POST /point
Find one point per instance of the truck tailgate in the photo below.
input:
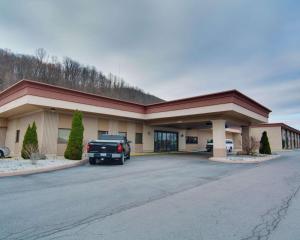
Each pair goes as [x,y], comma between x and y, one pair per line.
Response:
[103,147]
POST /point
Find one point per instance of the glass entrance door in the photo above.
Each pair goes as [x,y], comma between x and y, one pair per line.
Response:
[165,141]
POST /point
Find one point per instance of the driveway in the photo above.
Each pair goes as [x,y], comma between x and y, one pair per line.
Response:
[176,196]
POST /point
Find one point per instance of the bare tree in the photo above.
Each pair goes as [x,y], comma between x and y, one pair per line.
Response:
[40,54]
[250,145]
[68,73]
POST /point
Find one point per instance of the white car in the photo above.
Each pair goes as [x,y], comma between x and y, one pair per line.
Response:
[229,145]
[4,152]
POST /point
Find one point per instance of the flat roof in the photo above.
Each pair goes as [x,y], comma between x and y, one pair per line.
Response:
[34,88]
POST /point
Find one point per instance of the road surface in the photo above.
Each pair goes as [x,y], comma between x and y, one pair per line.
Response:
[156,197]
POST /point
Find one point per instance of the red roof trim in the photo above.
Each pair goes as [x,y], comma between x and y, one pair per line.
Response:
[29,87]
[213,95]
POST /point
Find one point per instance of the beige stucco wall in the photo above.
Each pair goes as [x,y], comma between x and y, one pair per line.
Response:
[138,148]
[181,139]
[90,128]
[219,137]
[203,135]
[93,124]
[130,129]
[229,135]
[237,141]
[48,123]
[122,126]
[2,135]
[3,122]
[3,128]
[64,121]
[148,138]
[103,124]
[113,126]
[21,123]
[274,136]
[192,133]
[49,132]
[206,134]
[11,135]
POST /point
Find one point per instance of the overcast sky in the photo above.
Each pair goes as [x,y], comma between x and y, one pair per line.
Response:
[172,49]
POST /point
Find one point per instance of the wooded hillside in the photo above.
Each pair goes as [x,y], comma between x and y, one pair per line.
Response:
[68,73]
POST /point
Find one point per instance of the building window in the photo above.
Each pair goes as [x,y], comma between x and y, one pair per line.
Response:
[63,135]
[101,133]
[191,140]
[17,136]
[138,138]
[124,134]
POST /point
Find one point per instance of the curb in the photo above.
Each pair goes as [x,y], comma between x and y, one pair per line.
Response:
[43,170]
[225,160]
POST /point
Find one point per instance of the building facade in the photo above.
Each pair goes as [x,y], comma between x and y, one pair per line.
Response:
[179,125]
[281,136]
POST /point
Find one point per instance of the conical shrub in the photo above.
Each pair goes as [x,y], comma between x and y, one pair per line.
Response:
[264,144]
[75,142]
[30,142]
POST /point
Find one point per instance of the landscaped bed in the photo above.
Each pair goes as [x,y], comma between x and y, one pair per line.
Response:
[12,167]
[246,158]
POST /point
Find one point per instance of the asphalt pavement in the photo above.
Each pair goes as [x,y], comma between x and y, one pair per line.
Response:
[175,196]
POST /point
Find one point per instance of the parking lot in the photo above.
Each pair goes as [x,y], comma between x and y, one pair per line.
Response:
[172,196]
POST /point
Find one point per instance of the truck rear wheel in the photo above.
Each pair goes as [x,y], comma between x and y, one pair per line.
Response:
[92,161]
[122,160]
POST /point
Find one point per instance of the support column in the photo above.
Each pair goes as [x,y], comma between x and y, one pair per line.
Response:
[219,138]
[245,136]
[48,132]
[286,139]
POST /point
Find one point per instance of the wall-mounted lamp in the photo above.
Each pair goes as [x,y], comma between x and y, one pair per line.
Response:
[149,133]
[181,135]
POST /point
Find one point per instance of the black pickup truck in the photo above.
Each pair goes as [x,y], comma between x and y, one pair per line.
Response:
[109,148]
